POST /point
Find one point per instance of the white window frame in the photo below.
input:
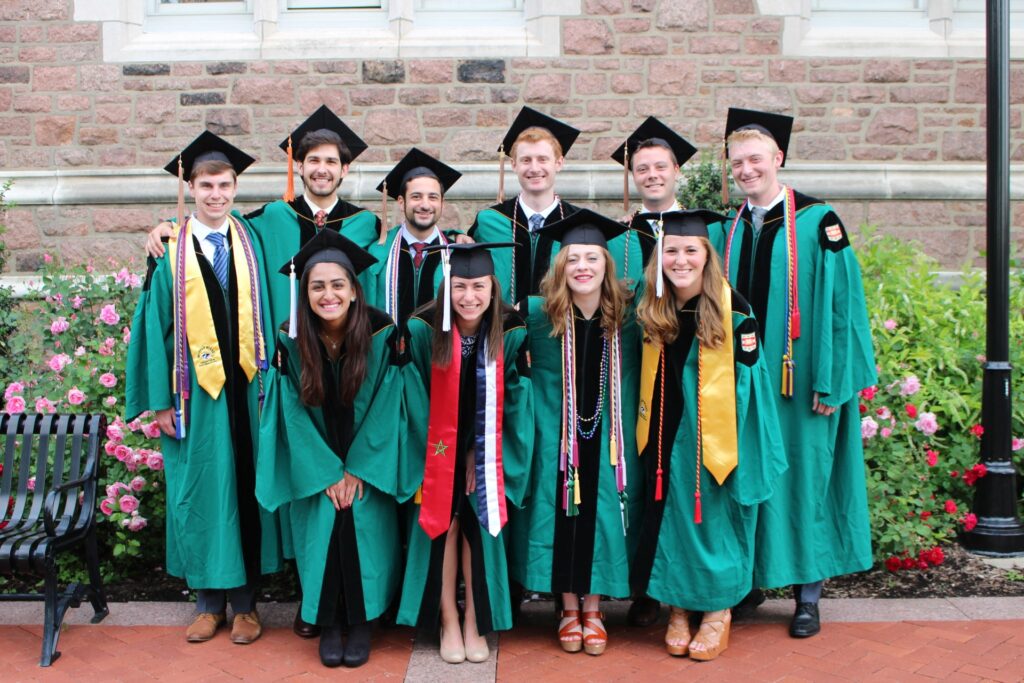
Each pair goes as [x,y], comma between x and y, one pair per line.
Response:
[143,31]
[917,28]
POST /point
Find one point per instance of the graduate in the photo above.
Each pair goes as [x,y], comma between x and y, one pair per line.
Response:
[329,446]
[788,254]
[571,539]
[407,273]
[537,145]
[473,459]
[707,434]
[196,358]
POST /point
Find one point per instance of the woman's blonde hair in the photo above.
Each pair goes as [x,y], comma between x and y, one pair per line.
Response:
[558,297]
[658,315]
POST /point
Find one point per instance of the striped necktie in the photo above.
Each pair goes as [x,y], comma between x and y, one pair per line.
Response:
[220,258]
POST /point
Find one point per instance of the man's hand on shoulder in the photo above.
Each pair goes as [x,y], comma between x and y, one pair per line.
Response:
[154,241]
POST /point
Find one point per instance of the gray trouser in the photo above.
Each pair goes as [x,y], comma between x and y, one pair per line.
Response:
[808,592]
[214,601]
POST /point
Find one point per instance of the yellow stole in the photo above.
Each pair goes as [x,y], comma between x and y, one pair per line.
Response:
[203,345]
[717,443]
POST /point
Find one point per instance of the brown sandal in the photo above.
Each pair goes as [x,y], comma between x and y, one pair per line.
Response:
[594,643]
[713,635]
[677,637]
[571,635]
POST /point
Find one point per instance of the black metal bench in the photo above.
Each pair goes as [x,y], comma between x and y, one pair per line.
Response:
[57,514]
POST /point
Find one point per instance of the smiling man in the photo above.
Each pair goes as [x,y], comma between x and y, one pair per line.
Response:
[789,255]
[407,274]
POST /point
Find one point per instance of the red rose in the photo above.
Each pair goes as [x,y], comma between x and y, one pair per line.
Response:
[980,470]
[970,476]
[911,411]
[933,457]
[936,556]
[863,408]
[954,474]
[970,521]
[909,563]
[869,393]
[950,506]
[977,430]
[926,514]
[893,564]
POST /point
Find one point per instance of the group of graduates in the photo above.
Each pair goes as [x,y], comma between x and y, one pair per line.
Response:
[662,407]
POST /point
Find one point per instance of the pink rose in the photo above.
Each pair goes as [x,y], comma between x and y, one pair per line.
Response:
[128,503]
[138,483]
[890,324]
[927,424]
[108,379]
[137,523]
[107,506]
[1017,444]
[47,258]
[884,413]
[15,405]
[886,432]
[122,452]
[77,302]
[12,389]
[135,425]
[79,351]
[114,490]
[45,405]
[151,429]
[910,386]
[114,433]
[155,461]
[58,362]
[31,484]
[59,325]
[868,428]
[75,396]
[933,457]
[109,447]
[110,400]
[109,315]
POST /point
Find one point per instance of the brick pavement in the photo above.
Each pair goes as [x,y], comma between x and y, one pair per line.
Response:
[908,650]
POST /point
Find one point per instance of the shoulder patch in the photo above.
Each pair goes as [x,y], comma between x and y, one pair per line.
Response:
[255,214]
[833,235]
[747,344]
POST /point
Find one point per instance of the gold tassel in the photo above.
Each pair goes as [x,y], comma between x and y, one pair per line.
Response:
[576,487]
[289,189]
[181,193]
[788,371]
[725,177]
[625,180]
[419,496]
[501,173]
[383,213]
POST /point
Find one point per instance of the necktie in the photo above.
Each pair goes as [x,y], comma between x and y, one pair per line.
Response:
[320,219]
[757,214]
[417,258]
[536,222]
[220,258]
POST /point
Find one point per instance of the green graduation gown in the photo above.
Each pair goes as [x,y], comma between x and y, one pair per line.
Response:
[590,552]
[348,558]
[532,256]
[416,286]
[707,566]
[816,524]
[218,537]
[421,590]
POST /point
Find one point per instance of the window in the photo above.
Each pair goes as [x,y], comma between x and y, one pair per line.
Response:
[155,30]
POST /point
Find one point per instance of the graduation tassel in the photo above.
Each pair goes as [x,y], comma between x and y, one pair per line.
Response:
[725,177]
[658,495]
[661,424]
[625,179]
[293,300]
[289,188]
[501,175]
[181,193]
[383,213]
[622,511]
[659,287]
[700,438]
[446,270]
[576,499]
[788,370]
[696,507]
[179,412]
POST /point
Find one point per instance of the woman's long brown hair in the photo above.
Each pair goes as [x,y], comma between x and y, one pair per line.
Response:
[441,348]
[558,297]
[355,346]
[658,315]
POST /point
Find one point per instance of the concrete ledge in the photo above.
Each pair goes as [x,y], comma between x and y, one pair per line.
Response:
[578,182]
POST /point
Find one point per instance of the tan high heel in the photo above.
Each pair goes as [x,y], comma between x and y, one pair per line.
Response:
[594,643]
[454,655]
[571,635]
[713,635]
[678,632]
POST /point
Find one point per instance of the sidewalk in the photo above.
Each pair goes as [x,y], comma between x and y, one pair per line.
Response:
[960,639]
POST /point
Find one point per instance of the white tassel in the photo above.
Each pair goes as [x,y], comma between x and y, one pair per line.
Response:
[659,288]
[293,315]
[446,270]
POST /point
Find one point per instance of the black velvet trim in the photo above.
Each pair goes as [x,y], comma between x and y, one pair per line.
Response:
[654,511]
[472,532]
[749,355]
[150,268]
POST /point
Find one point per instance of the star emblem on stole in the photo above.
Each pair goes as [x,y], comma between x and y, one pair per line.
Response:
[441,448]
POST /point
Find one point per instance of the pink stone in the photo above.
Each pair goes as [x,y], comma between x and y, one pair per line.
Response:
[893,126]
[547,88]
[55,130]
[391,127]
[672,77]
[263,91]
[54,78]
[683,15]
[431,71]
[586,37]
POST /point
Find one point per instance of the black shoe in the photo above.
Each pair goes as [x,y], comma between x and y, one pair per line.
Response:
[332,650]
[643,612]
[357,649]
[304,629]
[805,620]
[748,605]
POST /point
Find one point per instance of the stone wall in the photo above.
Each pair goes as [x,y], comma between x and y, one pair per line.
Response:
[64,113]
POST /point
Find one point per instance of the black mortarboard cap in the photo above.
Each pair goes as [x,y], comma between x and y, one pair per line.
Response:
[531,118]
[418,164]
[584,227]
[653,129]
[777,126]
[328,246]
[209,147]
[689,223]
[470,260]
[325,118]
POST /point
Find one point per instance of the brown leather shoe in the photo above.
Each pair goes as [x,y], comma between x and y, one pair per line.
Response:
[304,629]
[204,626]
[246,628]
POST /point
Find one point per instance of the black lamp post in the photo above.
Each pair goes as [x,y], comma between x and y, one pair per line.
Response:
[999,531]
